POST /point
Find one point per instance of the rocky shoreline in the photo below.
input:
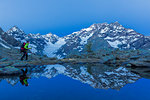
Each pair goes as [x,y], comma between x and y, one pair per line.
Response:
[47,61]
[114,58]
[13,67]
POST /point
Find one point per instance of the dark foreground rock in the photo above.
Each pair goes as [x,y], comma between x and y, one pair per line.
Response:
[48,61]
[10,70]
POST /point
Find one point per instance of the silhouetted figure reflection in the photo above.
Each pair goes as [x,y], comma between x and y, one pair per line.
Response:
[24,78]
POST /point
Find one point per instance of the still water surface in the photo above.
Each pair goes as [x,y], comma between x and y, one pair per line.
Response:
[77,82]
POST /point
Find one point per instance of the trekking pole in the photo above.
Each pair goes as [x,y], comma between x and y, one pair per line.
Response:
[30,52]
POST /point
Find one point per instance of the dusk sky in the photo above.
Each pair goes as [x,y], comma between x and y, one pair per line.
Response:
[63,17]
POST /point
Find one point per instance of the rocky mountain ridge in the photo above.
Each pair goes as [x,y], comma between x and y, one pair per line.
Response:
[101,36]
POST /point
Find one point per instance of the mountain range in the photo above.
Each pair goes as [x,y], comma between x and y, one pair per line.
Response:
[102,35]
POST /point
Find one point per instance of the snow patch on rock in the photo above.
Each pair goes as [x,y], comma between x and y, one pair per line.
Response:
[114,44]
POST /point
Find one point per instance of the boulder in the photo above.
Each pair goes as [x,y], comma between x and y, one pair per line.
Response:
[10,70]
[3,59]
[139,64]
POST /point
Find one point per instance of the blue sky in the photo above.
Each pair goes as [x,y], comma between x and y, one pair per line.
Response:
[63,17]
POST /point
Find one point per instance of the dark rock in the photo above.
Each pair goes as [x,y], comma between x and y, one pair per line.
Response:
[3,59]
[4,64]
[139,64]
[134,57]
[10,70]
[21,63]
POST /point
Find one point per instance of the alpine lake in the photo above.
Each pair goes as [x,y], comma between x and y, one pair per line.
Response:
[77,82]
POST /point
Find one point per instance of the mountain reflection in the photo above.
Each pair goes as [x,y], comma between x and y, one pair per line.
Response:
[97,76]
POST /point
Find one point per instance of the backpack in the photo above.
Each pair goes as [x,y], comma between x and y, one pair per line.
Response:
[22,47]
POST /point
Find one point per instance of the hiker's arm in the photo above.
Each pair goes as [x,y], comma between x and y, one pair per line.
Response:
[26,46]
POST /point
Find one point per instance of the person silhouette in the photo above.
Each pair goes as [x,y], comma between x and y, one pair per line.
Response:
[24,50]
[24,78]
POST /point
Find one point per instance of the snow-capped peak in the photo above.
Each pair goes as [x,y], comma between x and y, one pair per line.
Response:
[15,30]
[89,28]
[50,37]
[38,34]
[116,23]
[49,34]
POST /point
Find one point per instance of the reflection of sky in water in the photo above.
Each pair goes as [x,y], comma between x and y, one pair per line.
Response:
[62,87]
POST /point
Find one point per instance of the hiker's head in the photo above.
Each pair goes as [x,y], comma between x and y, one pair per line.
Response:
[28,42]
[26,83]
[24,43]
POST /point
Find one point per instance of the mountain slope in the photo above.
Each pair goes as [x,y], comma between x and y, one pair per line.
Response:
[102,35]
[7,41]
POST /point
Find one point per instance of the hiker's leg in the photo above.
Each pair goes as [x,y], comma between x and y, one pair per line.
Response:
[26,70]
[23,55]
[22,70]
[26,56]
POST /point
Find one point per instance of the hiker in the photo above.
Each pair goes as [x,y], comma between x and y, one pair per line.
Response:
[24,50]
[24,78]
